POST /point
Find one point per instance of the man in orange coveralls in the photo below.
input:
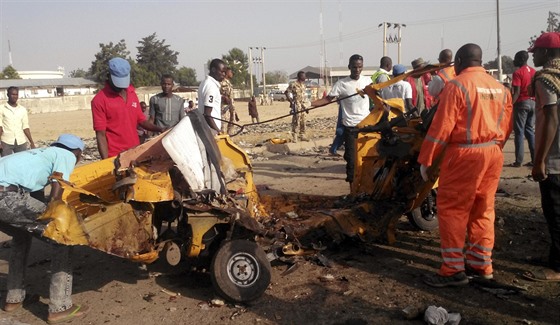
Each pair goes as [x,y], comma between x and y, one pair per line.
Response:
[472,124]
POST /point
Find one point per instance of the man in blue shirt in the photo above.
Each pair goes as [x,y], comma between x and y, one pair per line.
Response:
[20,174]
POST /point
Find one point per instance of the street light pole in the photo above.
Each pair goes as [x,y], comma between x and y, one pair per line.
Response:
[499,42]
[390,39]
[399,43]
[384,39]
[251,69]
[263,72]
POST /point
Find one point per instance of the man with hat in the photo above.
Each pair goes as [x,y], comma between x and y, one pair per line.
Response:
[20,174]
[421,98]
[546,163]
[116,112]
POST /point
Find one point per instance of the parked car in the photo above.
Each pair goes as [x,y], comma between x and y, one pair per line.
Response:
[278,95]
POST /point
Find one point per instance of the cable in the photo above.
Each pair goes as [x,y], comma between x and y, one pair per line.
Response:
[375,29]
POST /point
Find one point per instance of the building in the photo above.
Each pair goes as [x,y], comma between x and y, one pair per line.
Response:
[44,88]
[58,74]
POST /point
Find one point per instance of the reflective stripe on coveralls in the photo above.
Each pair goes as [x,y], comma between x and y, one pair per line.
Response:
[472,121]
[447,74]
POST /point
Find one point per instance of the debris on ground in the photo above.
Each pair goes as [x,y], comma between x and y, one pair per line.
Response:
[439,316]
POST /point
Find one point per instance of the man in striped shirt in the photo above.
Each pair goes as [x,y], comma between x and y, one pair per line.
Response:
[166,108]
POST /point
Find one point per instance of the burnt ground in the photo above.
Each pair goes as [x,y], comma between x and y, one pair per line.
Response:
[364,283]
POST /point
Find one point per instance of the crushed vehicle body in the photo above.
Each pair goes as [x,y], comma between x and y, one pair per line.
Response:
[187,196]
[174,196]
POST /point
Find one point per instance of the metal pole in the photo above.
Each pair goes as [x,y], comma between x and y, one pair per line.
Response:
[340,47]
[322,46]
[263,73]
[399,44]
[499,42]
[251,69]
[384,39]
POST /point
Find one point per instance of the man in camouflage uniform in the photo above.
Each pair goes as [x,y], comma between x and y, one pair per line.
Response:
[227,102]
[297,104]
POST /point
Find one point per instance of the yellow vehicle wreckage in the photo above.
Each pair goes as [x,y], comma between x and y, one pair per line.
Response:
[190,197]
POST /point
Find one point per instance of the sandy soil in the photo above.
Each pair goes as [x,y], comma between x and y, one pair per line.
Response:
[372,282]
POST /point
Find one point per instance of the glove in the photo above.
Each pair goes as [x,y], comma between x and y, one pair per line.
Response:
[424,172]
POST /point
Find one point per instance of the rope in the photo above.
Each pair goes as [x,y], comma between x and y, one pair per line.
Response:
[362,92]
[305,110]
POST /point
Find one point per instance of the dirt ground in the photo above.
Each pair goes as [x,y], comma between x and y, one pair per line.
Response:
[370,284]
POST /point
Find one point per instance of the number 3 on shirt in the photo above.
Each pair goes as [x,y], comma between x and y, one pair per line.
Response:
[210,99]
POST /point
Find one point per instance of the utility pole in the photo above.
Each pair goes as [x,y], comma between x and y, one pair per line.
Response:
[550,22]
[263,72]
[392,39]
[251,69]
[384,24]
[499,42]
[9,48]
[258,61]
[399,43]
[340,45]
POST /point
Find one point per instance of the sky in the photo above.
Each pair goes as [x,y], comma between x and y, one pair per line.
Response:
[46,34]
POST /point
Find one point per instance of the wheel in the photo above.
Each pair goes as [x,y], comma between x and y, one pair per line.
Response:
[424,217]
[240,271]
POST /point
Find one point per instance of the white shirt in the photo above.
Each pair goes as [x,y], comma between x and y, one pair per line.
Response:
[435,86]
[355,108]
[14,120]
[400,89]
[209,95]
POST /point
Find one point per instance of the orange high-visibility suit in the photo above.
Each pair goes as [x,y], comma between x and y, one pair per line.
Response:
[473,122]
[436,86]
[446,74]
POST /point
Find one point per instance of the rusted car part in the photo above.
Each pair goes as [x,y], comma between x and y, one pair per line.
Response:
[175,195]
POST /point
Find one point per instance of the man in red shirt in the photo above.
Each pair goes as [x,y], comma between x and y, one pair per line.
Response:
[116,112]
[523,108]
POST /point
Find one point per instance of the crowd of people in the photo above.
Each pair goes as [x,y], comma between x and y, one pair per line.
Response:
[474,118]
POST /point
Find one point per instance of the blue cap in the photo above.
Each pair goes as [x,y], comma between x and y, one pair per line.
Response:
[398,69]
[119,69]
[70,141]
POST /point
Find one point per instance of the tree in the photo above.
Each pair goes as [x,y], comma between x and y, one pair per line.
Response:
[186,77]
[10,73]
[155,57]
[140,77]
[237,60]
[99,68]
[507,65]
[276,77]
[78,73]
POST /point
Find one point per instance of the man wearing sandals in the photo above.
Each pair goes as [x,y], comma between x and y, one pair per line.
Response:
[20,174]
[470,128]
[546,168]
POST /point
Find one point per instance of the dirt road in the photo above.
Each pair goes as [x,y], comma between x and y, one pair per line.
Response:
[370,283]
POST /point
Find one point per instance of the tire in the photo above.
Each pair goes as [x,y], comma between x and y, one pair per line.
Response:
[425,217]
[240,286]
